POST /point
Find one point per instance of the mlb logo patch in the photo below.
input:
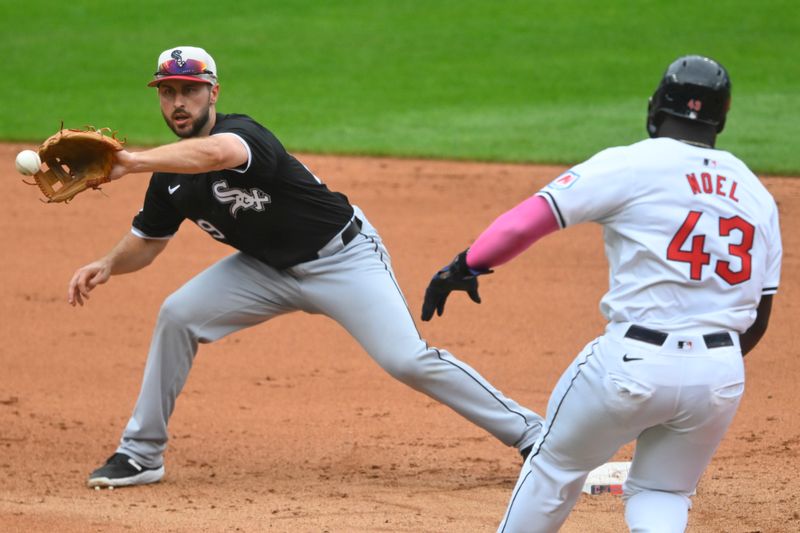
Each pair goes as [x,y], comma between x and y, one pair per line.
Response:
[565,180]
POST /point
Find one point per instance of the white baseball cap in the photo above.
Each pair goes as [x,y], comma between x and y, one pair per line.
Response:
[185,63]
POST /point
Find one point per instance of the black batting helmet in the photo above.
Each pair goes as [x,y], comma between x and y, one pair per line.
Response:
[693,87]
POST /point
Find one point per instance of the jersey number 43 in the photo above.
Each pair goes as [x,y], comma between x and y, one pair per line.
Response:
[697,257]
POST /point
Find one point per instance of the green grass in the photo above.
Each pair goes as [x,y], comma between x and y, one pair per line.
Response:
[521,81]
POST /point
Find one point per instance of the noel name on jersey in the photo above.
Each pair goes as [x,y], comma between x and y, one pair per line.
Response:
[712,184]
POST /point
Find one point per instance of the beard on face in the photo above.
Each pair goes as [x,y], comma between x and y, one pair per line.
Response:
[199,123]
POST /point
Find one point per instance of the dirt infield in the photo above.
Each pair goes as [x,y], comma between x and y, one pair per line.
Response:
[289,426]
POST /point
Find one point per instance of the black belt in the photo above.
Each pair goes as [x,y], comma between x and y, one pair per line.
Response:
[651,336]
[348,234]
[352,229]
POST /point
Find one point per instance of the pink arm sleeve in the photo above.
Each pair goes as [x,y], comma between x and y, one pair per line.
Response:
[512,233]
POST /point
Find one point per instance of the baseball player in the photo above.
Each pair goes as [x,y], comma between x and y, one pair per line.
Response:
[694,250]
[299,247]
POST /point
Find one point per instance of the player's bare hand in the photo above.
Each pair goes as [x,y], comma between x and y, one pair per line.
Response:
[123,164]
[85,280]
[456,276]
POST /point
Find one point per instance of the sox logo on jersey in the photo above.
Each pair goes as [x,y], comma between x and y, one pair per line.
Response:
[255,199]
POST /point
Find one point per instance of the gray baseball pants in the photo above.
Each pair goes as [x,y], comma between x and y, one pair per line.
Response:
[355,286]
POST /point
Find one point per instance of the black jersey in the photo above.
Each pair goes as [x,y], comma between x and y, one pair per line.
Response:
[272,207]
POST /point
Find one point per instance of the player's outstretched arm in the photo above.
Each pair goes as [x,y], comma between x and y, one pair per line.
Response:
[187,156]
[750,338]
[508,236]
[129,255]
[512,233]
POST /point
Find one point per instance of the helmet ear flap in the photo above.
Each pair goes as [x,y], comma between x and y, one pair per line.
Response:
[721,124]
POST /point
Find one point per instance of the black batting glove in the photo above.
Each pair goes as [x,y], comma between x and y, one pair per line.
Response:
[456,276]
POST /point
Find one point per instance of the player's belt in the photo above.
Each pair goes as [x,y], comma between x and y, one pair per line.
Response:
[658,338]
[343,239]
[350,232]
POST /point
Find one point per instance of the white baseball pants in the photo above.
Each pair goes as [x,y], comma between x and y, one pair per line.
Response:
[676,401]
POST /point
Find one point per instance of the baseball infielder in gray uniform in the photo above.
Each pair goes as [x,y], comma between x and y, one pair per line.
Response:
[694,251]
[300,247]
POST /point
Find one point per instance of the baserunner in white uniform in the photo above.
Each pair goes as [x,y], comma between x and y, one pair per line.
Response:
[694,251]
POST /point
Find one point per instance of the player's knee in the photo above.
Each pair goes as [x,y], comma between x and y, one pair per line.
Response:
[403,370]
[409,370]
[175,312]
[654,511]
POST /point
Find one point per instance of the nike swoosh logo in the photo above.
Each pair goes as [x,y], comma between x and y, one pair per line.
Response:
[626,358]
[173,189]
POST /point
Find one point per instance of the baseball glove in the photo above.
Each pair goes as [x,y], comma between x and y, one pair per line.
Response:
[77,160]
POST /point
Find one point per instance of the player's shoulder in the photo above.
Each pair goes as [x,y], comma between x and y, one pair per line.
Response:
[647,149]
[614,160]
[743,172]
[623,154]
[246,127]
[231,121]
[738,166]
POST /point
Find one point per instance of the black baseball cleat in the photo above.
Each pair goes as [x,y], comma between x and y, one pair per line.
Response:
[122,470]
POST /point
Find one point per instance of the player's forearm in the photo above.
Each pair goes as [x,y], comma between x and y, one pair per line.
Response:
[133,253]
[512,233]
[190,156]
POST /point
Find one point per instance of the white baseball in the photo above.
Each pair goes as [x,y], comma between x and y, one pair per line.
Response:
[28,162]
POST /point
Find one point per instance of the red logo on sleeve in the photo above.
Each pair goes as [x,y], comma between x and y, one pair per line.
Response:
[565,180]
